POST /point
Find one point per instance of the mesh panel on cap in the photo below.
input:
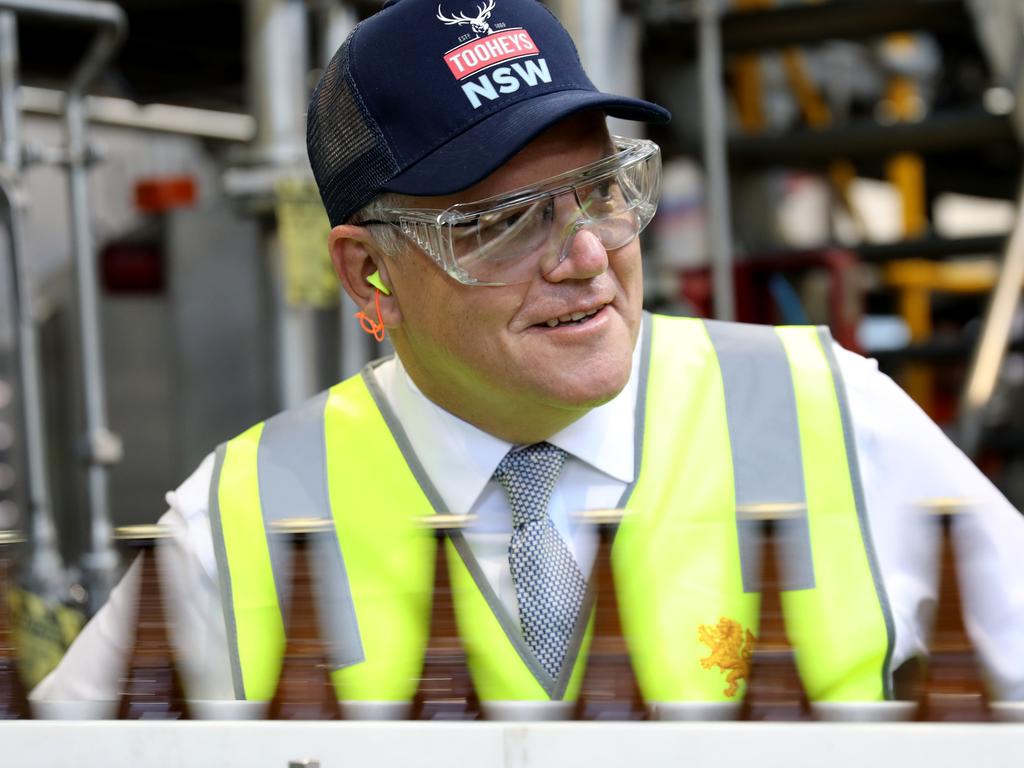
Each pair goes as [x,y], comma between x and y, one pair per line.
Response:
[347,151]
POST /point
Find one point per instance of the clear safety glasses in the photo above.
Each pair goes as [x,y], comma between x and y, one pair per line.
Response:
[508,238]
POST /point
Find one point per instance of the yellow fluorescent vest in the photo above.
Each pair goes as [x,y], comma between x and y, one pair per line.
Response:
[728,417]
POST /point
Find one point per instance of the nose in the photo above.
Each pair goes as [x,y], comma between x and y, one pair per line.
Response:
[585,257]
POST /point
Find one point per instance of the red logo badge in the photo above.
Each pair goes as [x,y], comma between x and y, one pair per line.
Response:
[484,52]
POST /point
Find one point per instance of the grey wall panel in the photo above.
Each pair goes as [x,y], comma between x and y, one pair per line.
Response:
[140,391]
[222,326]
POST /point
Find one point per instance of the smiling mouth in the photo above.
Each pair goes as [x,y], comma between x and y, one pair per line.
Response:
[575,318]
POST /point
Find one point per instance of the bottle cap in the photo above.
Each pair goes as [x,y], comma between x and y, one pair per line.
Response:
[147,532]
[600,516]
[11,537]
[297,525]
[446,522]
[945,505]
[770,511]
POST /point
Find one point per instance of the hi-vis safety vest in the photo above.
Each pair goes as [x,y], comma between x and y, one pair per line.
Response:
[728,416]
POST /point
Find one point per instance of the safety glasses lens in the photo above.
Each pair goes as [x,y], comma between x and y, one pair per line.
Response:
[508,244]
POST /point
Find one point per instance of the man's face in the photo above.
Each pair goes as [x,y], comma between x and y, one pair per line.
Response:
[488,354]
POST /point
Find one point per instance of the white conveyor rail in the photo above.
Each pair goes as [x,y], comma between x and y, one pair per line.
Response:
[261,744]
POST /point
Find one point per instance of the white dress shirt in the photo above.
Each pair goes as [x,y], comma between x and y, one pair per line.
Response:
[904,459]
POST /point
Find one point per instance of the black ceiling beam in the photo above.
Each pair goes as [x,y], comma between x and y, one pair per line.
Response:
[866,138]
[807,24]
[932,248]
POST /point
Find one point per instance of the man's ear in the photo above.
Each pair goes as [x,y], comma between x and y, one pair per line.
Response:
[355,256]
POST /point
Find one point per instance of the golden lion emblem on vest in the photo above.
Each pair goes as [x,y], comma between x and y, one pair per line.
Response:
[730,651]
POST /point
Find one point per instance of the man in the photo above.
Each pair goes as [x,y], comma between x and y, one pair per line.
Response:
[483,217]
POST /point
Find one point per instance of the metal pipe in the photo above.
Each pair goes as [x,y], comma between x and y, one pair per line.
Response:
[108,17]
[9,109]
[983,374]
[164,118]
[85,11]
[45,567]
[715,165]
[45,561]
[102,446]
[607,39]
[278,55]
[338,19]
[111,20]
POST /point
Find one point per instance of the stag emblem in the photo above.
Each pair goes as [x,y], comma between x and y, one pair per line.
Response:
[478,23]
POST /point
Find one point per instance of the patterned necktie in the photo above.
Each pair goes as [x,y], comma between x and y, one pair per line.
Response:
[549,584]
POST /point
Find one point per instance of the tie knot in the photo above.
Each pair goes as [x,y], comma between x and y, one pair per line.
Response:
[528,476]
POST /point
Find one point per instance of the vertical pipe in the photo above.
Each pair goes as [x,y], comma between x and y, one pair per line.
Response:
[608,41]
[45,565]
[278,54]
[995,336]
[338,20]
[715,162]
[9,91]
[102,446]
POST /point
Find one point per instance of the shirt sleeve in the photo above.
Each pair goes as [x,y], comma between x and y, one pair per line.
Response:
[91,668]
[906,460]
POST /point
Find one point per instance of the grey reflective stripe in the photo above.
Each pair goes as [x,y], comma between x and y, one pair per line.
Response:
[554,688]
[291,463]
[224,575]
[858,497]
[764,436]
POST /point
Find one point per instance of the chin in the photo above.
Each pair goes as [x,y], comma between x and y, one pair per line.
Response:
[593,388]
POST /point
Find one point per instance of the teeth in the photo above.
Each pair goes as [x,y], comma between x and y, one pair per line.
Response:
[572,317]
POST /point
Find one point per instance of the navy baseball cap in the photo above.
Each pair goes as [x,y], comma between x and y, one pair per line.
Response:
[428,98]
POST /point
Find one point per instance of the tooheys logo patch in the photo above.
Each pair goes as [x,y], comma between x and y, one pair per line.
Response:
[497,52]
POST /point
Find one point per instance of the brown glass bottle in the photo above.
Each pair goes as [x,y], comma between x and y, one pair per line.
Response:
[609,690]
[774,690]
[951,688]
[304,689]
[13,698]
[445,690]
[151,687]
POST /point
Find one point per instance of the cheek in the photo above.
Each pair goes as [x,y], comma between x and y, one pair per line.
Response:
[464,324]
[483,346]
[628,271]
[439,311]
[627,265]
[425,297]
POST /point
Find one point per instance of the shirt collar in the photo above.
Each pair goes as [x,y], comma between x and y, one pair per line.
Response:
[461,464]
